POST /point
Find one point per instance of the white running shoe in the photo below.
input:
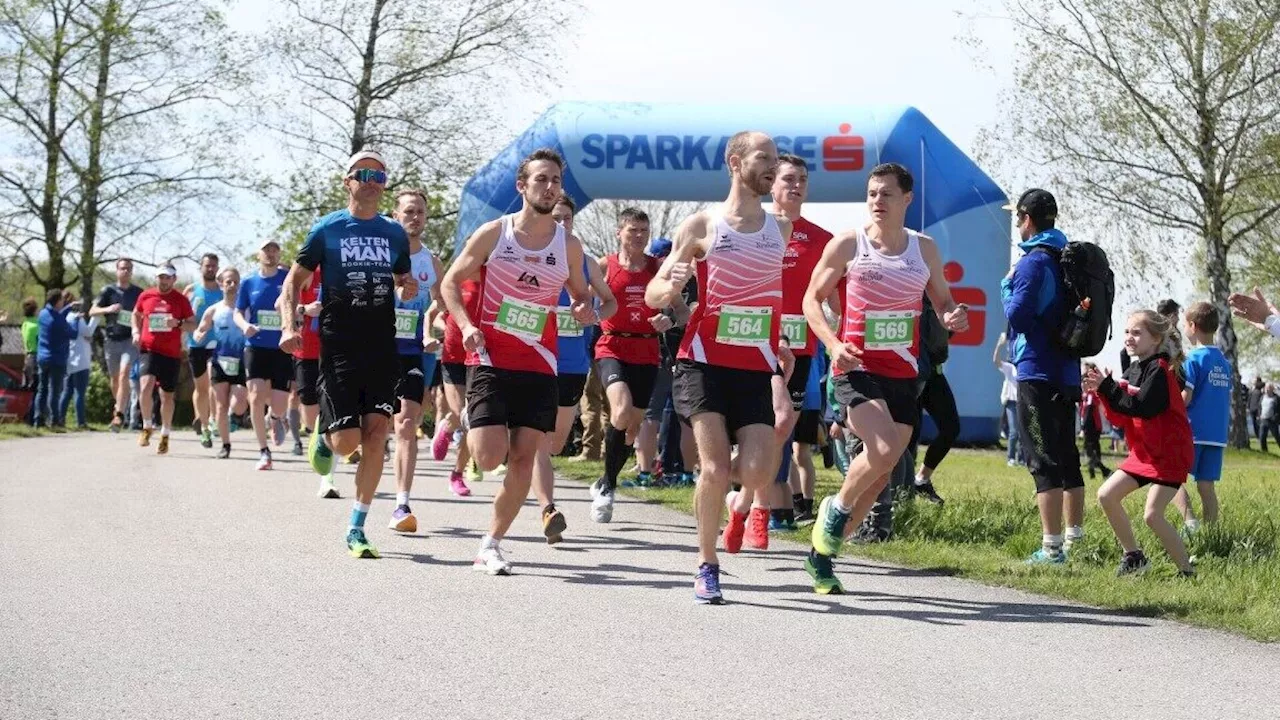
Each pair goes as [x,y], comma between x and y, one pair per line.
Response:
[490,560]
[264,461]
[601,502]
[327,491]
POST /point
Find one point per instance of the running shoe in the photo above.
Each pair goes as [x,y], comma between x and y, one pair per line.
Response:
[457,485]
[163,447]
[822,570]
[1133,563]
[1044,557]
[472,473]
[206,439]
[402,520]
[233,422]
[195,425]
[353,458]
[601,502]
[277,430]
[757,531]
[500,471]
[927,492]
[641,480]
[264,460]
[804,515]
[327,491]
[706,586]
[225,452]
[358,545]
[828,528]
[735,529]
[1070,540]
[297,448]
[687,479]
[117,422]
[440,445]
[553,525]
[144,438]
[318,452]
[670,480]
[490,560]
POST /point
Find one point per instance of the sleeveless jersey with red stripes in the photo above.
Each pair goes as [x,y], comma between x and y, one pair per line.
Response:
[740,300]
[804,250]
[452,350]
[632,317]
[519,291]
[882,305]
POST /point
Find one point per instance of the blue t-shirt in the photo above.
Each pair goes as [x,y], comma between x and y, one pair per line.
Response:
[1208,377]
[257,300]
[228,339]
[359,259]
[573,347]
[201,299]
[411,314]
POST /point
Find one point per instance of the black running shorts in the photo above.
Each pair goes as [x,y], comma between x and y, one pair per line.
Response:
[1047,433]
[569,388]
[639,378]
[270,364]
[798,385]
[411,383]
[454,373]
[512,398]
[743,397]
[163,368]
[306,379]
[198,360]
[355,385]
[855,388]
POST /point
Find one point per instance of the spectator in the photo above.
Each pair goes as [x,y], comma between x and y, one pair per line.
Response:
[1260,313]
[30,339]
[1009,401]
[1255,405]
[53,346]
[1091,426]
[1270,416]
[78,361]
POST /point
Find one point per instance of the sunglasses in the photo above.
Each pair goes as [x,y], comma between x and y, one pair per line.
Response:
[369,175]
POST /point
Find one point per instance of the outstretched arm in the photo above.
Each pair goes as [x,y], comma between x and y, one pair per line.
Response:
[677,268]
[831,267]
[955,317]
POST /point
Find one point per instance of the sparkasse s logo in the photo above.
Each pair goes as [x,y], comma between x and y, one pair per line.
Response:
[842,152]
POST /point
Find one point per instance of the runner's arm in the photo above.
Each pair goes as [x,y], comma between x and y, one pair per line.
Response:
[437,302]
[685,245]
[465,266]
[938,289]
[608,303]
[206,324]
[577,285]
[827,274]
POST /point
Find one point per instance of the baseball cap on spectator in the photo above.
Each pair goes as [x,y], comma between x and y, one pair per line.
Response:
[366,155]
[658,248]
[167,269]
[1037,204]
[267,241]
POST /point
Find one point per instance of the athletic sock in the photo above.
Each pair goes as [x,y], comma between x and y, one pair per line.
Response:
[797,501]
[402,498]
[264,451]
[359,511]
[164,432]
[840,508]
[789,516]
[146,425]
[1052,543]
[487,542]
[295,424]
[615,455]
[921,481]
[1075,532]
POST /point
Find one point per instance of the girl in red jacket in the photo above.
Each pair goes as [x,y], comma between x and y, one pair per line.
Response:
[1147,405]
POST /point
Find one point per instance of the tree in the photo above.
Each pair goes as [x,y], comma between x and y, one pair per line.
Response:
[597,225]
[1167,114]
[420,80]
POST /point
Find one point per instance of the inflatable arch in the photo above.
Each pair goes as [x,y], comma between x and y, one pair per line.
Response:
[676,152]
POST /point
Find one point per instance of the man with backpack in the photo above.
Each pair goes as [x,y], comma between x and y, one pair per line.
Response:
[1036,304]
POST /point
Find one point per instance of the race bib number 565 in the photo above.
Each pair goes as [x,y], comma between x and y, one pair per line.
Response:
[522,319]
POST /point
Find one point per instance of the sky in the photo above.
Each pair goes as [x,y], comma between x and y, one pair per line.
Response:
[913,52]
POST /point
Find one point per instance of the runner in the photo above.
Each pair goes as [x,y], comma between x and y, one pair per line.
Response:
[202,295]
[454,376]
[160,317]
[573,360]
[749,512]
[116,302]
[874,358]
[306,368]
[411,212]
[267,367]
[523,261]
[723,377]
[363,255]
[628,354]
[218,326]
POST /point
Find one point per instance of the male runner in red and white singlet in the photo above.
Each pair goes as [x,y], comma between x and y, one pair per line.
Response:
[730,353]
[888,267]
[522,260]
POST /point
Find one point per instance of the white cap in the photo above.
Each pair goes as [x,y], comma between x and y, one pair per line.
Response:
[167,270]
[268,241]
[366,155]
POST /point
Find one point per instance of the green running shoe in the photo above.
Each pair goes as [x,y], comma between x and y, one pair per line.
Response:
[821,569]
[828,532]
[318,452]
[358,545]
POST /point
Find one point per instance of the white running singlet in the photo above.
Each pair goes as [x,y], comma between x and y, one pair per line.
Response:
[882,305]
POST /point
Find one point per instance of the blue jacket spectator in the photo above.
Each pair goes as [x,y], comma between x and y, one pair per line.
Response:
[1033,299]
[55,334]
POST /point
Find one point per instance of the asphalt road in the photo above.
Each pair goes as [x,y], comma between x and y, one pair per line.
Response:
[137,586]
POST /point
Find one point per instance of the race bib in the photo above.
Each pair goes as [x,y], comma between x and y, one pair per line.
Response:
[522,319]
[796,328]
[741,325]
[229,365]
[268,320]
[566,325]
[124,319]
[158,322]
[406,324]
[889,329]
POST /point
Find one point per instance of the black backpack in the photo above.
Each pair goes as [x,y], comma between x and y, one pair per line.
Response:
[1086,274]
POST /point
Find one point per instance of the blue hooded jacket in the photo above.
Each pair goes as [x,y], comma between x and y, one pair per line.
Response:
[55,336]
[1032,293]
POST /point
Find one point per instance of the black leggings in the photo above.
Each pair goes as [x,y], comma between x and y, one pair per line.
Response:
[938,400]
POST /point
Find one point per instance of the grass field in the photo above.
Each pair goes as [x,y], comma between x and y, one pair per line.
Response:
[989,525]
[11,430]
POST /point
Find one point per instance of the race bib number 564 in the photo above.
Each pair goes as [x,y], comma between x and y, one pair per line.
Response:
[741,325]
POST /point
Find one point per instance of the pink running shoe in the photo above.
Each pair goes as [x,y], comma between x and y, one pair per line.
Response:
[457,485]
[440,446]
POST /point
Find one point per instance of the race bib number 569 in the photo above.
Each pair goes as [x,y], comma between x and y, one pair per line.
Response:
[889,330]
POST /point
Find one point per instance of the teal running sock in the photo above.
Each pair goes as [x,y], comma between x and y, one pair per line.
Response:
[359,511]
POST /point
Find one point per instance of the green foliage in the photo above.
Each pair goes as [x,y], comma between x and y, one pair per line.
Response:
[98,402]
